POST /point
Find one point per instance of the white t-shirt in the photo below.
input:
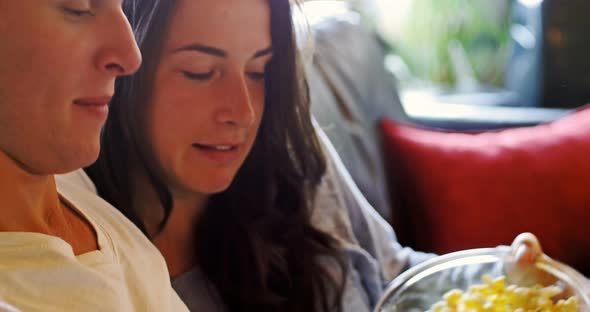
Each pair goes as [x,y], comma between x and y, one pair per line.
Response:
[41,273]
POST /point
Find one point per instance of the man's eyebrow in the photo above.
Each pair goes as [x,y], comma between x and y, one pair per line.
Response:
[262,52]
[197,47]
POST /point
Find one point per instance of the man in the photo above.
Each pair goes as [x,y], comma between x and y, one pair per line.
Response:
[65,250]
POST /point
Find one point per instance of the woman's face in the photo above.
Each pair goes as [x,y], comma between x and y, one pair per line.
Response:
[209,92]
[58,64]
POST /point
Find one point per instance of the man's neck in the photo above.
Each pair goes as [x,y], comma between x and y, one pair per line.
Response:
[30,203]
[27,201]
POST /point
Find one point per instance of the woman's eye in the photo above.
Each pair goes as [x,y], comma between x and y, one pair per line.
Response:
[78,13]
[257,76]
[198,76]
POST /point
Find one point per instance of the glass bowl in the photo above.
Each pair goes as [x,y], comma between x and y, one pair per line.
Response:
[417,289]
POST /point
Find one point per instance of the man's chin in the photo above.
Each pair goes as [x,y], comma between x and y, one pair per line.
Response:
[56,159]
[77,160]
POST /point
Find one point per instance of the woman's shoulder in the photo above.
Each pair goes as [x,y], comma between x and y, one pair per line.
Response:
[197,292]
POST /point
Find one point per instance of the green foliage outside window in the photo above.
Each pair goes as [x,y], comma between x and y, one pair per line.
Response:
[436,37]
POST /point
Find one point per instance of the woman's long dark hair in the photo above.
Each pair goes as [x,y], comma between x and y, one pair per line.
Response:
[256,243]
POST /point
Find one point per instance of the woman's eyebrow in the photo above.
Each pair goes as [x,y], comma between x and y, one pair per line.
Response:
[262,53]
[197,47]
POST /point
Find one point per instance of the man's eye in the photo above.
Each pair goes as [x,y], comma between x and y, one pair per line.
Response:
[78,13]
[198,76]
[257,76]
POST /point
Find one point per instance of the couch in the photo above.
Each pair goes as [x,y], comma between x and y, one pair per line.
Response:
[449,181]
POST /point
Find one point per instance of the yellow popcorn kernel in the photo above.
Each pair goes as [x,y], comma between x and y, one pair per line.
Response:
[495,296]
[452,297]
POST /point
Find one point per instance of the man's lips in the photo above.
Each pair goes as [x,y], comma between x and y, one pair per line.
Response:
[97,106]
[93,101]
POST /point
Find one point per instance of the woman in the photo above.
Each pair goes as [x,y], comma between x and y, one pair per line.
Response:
[210,150]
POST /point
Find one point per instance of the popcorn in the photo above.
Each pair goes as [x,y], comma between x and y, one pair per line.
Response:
[495,296]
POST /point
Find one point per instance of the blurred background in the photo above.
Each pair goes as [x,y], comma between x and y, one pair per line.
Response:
[486,52]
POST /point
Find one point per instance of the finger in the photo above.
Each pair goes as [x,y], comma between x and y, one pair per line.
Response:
[526,248]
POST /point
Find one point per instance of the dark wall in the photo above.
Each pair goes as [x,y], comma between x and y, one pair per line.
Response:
[566,59]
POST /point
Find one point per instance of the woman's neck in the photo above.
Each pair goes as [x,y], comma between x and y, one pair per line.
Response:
[177,240]
[28,201]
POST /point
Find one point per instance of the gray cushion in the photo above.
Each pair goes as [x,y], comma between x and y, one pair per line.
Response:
[350,91]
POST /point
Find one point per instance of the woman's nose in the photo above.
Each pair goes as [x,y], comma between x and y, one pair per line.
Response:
[237,107]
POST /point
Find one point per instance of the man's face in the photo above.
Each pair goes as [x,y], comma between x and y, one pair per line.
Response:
[58,63]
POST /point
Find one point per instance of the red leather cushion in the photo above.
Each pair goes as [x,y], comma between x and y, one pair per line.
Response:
[457,190]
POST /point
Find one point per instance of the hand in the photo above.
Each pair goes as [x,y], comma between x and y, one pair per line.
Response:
[526,251]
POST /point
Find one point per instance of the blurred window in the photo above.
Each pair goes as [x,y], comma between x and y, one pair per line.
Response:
[500,52]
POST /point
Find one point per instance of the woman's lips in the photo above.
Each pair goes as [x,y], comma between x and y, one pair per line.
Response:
[221,153]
